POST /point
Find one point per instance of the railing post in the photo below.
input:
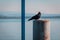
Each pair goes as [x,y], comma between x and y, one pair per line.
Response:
[41,30]
[23,19]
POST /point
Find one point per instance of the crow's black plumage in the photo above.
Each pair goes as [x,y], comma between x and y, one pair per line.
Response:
[37,16]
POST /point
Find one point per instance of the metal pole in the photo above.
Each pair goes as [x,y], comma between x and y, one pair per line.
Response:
[23,19]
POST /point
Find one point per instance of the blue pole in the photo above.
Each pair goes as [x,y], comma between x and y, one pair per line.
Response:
[23,19]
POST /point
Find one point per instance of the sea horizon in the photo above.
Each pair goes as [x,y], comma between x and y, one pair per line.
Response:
[15,15]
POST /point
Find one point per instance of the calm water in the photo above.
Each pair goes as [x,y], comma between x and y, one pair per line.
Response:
[10,29]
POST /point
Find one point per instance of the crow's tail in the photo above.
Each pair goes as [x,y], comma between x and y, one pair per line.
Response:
[29,19]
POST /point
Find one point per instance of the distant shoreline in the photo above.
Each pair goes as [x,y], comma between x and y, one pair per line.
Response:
[29,17]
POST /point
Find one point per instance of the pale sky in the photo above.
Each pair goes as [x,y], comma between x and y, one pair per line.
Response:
[45,6]
[10,5]
[31,6]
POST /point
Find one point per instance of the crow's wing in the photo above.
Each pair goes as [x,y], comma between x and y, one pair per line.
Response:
[32,17]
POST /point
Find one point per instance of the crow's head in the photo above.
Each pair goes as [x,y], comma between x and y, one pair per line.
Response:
[39,13]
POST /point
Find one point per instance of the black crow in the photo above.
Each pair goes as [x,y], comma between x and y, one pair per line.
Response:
[37,16]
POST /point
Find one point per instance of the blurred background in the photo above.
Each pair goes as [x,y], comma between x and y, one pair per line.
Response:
[10,25]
